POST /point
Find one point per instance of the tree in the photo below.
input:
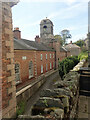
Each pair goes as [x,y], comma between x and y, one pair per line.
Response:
[59,38]
[65,34]
[80,43]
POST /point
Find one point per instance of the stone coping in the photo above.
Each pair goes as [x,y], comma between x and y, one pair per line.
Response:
[35,82]
[79,65]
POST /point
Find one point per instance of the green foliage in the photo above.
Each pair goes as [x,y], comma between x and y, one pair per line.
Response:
[59,38]
[80,43]
[67,64]
[83,55]
[20,108]
[45,102]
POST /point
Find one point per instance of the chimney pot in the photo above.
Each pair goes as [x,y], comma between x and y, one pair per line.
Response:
[16,28]
[71,42]
[17,33]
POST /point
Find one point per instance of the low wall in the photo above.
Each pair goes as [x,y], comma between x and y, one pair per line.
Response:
[28,91]
[59,103]
[79,65]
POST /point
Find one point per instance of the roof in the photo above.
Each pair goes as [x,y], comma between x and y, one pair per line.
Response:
[24,44]
[62,49]
[21,45]
[47,21]
[71,46]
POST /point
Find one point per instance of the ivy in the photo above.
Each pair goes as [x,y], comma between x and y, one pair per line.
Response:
[20,108]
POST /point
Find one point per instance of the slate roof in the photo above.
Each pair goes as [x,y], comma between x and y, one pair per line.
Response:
[21,45]
[24,44]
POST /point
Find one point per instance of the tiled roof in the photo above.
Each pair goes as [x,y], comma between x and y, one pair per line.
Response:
[72,46]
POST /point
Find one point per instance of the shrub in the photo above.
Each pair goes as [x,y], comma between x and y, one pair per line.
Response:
[67,64]
[83,55]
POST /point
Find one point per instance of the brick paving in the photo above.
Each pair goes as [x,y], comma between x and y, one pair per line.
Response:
[84,108]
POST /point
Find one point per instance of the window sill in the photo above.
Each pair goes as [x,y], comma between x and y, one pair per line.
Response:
[31,77]
[18,82]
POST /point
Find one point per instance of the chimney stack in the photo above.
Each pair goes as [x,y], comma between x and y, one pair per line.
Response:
[17,33]
[70,42]
[37,39]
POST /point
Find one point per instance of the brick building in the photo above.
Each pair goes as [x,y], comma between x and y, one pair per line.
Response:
[23,61]
[34,58]
[31,60]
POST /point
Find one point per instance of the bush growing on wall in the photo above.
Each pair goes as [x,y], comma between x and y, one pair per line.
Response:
[67,64]
[83,55]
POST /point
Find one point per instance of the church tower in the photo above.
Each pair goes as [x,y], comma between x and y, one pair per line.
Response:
[46,31]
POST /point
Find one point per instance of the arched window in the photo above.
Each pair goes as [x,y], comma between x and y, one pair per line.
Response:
[30,69]
[17,72]
[44,28]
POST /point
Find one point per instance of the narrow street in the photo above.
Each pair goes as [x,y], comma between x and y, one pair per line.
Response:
[47,85]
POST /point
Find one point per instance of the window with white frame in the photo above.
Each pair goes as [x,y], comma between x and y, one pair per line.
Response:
[46,56]
[50,66]
[46,67]
[53,55]
[17,73]
[24,57]
[50,55]
[30,69]
[41,68]
[41,56]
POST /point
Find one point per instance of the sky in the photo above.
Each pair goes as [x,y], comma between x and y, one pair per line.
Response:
[65,14]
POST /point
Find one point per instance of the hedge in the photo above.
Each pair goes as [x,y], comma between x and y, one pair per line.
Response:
[67,64]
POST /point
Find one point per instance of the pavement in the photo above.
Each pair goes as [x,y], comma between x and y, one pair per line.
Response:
[84,108]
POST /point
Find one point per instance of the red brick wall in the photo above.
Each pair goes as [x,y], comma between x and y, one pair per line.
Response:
[63,55]
[44,61]
[35,57]
[24,64]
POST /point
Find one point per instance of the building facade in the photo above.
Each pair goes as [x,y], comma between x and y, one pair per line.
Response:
[34,58]
[74,49]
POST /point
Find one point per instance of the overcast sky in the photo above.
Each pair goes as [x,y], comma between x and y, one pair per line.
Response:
[65,14]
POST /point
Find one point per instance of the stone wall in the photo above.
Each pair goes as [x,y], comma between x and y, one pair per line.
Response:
[79,65]
[8,73]
[59,103]
[28,91]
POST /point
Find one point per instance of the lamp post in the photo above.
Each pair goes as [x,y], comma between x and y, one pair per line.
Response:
[88,34]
